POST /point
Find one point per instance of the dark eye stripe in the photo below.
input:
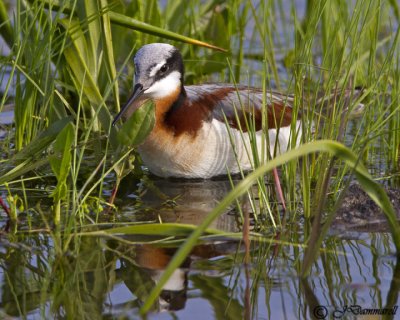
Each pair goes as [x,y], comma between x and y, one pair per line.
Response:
[164,68]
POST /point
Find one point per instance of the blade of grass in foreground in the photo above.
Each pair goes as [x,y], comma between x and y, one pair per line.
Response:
[165,229]
[374,190]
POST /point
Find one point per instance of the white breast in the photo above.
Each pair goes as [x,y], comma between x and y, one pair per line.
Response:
[216,150]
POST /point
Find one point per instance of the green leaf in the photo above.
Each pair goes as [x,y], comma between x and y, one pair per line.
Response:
[42,141]
[138,126]
[24,161]
[60,161]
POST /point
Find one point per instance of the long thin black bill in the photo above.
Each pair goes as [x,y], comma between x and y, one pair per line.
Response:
[137,92]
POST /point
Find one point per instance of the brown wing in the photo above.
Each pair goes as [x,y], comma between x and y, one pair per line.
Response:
[242,106]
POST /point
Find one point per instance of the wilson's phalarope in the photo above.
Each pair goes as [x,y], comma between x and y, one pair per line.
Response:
[201,131]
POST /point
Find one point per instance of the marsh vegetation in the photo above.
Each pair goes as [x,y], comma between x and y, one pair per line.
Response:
[87,232]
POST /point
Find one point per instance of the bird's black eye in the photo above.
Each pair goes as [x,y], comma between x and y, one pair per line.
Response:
[164,68]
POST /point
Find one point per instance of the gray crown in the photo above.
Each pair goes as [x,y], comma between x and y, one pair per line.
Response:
[151,54]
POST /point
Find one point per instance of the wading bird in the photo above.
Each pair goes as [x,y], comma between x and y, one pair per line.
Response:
[203,131]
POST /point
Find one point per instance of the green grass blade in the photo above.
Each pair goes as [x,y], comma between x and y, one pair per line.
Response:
[5,26]
[395,8]
[22,168]
[34,149]
[89,13]
[137,25]
[165,229]
[60,160]
[109,51]
[76,59]
[75,56]
[128,22]
[374,190]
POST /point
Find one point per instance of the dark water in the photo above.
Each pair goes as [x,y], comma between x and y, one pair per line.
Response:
[99,277]
[106,279]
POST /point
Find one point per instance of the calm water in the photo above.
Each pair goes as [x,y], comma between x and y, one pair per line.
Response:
[99,277]
[99,282]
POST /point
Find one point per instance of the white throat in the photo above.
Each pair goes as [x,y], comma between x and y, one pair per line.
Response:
[163,88]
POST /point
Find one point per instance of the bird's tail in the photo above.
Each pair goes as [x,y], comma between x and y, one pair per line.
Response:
[350,99]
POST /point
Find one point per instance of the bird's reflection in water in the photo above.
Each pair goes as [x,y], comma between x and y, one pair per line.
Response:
[177,201]
[184,201]
[142,267]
